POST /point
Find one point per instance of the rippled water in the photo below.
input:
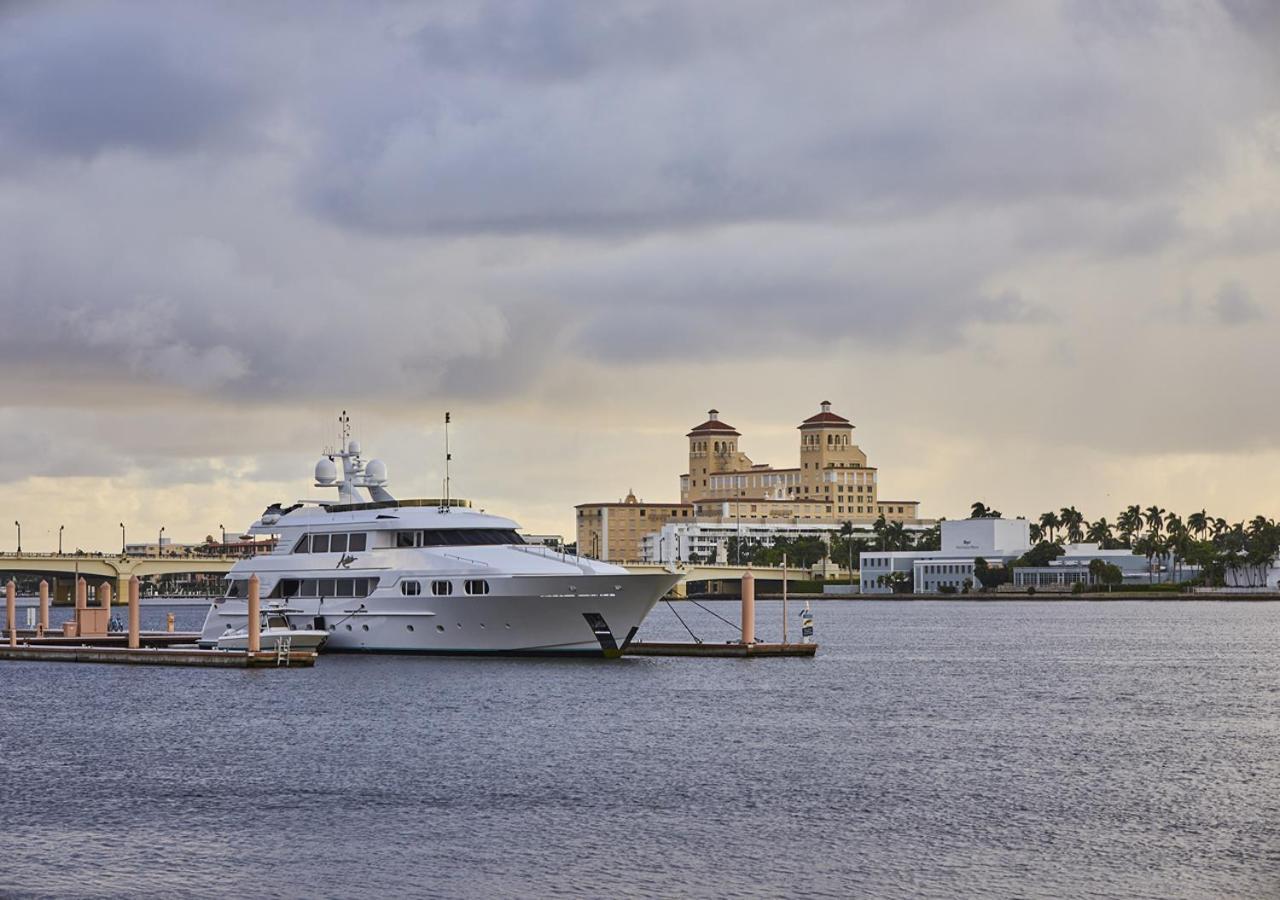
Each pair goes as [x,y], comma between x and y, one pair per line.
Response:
[931,750]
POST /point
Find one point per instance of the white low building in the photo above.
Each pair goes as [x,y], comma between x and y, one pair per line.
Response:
[709,541]
[963,541]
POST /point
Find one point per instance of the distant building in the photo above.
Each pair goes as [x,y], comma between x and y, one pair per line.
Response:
[554,541]
[832,484]
[999,542]
[963,541]
[709,541]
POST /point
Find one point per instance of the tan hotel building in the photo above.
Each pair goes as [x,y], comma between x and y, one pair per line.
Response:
[833,483]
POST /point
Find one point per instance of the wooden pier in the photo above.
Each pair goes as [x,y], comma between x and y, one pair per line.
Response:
[727,649]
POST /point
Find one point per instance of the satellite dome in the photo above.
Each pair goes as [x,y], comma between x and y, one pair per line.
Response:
[326,471]
[375,472]
[353,447]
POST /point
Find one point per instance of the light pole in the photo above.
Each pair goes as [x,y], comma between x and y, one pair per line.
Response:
[19,524]
[122,541]
[60,527]
[160,541]
[224,537]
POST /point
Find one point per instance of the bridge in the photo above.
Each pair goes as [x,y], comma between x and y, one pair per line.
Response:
[112,567]
[717,572]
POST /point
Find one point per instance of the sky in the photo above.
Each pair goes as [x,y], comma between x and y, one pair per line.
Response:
[1031,249]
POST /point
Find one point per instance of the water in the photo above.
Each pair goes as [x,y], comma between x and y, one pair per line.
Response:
[931,750]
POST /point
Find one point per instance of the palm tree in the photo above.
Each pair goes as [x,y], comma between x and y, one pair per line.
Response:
[1155,519]
[880,526]
[1072,520]
[1099,532]
[846,532]
[979,510]
[1049,524]
[896,537]
[1130,523]
[1037,533]
[1198,522]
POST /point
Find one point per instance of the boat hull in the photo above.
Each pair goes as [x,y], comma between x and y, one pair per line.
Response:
[580,615]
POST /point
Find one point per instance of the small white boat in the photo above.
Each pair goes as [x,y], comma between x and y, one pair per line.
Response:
[274,630]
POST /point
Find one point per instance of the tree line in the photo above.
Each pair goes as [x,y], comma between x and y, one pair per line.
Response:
[1200,543]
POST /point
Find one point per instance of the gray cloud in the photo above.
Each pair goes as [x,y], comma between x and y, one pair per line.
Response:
[111,76]
[1233,305]
[279,209]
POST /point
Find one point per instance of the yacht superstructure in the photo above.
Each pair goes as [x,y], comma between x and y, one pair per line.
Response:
[428,576]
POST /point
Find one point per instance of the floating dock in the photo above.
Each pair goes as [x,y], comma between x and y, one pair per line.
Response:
[728,649]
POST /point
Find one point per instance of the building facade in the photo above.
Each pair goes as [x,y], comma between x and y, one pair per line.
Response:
[832,484]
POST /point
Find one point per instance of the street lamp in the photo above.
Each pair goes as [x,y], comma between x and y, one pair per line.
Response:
[160,541]
[19,524]
[224,537]
[60,527]
[122,542]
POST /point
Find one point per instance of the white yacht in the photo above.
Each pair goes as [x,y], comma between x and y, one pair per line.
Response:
[428,576]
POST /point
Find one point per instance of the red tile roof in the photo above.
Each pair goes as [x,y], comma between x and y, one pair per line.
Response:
[823,419]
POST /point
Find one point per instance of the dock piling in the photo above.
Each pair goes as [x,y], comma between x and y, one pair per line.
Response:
[11,611]
[255,627]
[135,590]
[748,607]
[42,624]
[82,596]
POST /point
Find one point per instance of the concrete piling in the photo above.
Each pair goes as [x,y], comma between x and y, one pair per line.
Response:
[255,626]
[11,611]
[82,595]
[748,608]
[104,591]
[135,591]
[42,624]
[169,623]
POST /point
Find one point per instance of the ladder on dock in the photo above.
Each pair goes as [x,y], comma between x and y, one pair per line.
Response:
[283,645]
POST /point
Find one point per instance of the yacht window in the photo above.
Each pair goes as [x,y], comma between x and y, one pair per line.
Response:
[319,543]
[326,587]
[404,539]
[442,588]
[309,587]
[410,588]
[477,586]
[277,622]
[303,545]
[357,543]
[337,543]
[289,587]
[236,589]
[346,587]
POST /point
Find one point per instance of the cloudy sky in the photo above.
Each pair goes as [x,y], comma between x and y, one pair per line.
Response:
[1031,249]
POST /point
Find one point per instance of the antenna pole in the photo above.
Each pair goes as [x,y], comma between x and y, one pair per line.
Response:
[447,457]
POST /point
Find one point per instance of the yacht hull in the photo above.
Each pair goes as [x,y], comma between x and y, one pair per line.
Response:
[592,615]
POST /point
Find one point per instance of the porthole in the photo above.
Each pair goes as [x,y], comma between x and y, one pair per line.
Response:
[440,628]
[508,624]
[348,628]
[481,624]
[459,624]
[410,627]
[333,627]
[364,627]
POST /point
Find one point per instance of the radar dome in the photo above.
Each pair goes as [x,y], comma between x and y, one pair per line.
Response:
[326,471]
[353,447]
[375,471]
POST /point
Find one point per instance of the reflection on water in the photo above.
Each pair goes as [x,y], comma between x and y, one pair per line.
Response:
[932,749]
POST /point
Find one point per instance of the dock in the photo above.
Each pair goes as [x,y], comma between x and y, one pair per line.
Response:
[87,638]
[726,649]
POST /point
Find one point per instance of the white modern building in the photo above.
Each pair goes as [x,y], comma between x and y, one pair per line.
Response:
[709,541]
[963,541]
